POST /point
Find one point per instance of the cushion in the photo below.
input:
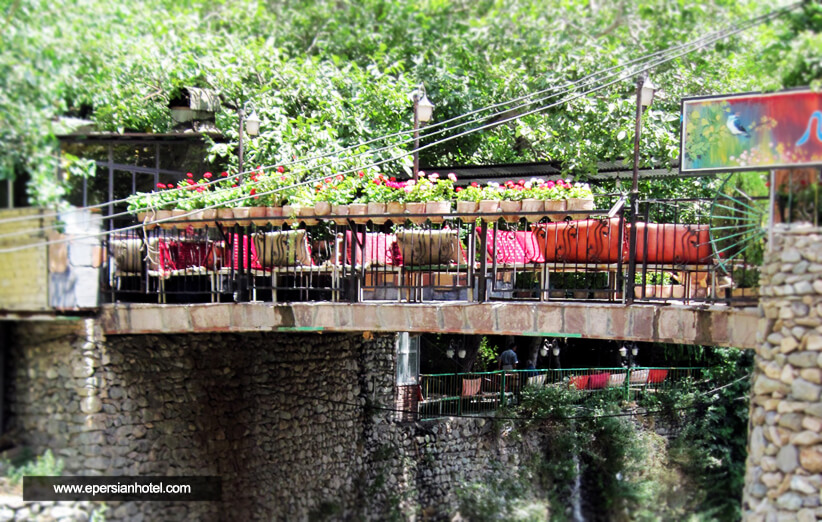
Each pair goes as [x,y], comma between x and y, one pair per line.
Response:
[128,254]
[597,381]
[536,380]
[580,241]
[471,387]
[672,244]
[282,248]
[616,380]
[378,249]
[513,247]
[657,376]
[429,247]
[580,382]
[639,376]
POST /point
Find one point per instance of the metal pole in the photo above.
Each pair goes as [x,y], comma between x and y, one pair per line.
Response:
[242,116]
[416,136]
[629,284]
[771,210]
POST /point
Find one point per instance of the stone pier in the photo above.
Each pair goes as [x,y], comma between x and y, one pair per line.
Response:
[784,469]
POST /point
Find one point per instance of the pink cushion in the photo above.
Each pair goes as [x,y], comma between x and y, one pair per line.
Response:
[598,381]
[378,249]
[514,247]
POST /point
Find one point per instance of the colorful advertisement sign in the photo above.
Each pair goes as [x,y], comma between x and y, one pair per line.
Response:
[751,131]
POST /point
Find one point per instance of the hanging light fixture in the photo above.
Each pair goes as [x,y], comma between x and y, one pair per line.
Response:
[634,349]
[623,351]
[546,345]
[449,353]
[252,124]
[461,353]
[646,95]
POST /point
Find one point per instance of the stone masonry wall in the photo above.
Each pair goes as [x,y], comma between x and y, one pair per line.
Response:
[784,468]
[298,426]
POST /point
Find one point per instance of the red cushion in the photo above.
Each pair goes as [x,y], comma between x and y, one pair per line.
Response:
[657,376]
[598,381]
[513,247]
[581,241]
[580,382]
[231,257]
[672,244]
[378,249]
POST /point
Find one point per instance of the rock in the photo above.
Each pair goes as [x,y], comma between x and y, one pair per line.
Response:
[802,485]
[91,405]
[811,459]
[772,480]
[812,423]
[757,444]
[764,386]
[813,375]
[813,342]
[788,459]
[788,344]
[790,255]
[792,421]
[803,359]
[805,515]
[806,391]
[789,501]
[787,375]
[806,438]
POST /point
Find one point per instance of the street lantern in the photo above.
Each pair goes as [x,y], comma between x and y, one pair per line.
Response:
[423,110]
[252,124]
[646,95]
[623,351]
[634,350]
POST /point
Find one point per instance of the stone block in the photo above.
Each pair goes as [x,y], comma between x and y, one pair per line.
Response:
[211,317]
[803,359]
[145,319]
[787,459]
[805,391]
[811,459]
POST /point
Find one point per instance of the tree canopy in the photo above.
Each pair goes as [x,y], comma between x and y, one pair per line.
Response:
[326,75]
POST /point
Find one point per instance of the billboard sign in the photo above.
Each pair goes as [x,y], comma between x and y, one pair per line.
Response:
[751,131]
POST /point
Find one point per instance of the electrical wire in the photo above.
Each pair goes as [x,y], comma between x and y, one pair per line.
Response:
[394,158]
[425,131]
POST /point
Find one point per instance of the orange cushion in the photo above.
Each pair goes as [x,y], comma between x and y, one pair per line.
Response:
[580,241]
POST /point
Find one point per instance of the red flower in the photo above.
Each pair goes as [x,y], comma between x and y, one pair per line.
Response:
[475,184]
[253,191]
[280,169]
[224,174]
[328,180]
[160,186]
[458,189]
[393,178]
[207,175]
[360,173]
[189,175]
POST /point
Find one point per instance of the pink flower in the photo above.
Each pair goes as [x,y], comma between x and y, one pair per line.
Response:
[360,173]
[189,175]
[224,174]
[475,184]
[207,175]
[160,186]
[458,189]
[280,169]
[433,177]
[452,176]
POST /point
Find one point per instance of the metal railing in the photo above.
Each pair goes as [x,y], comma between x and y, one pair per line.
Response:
[471,257]
[477,393]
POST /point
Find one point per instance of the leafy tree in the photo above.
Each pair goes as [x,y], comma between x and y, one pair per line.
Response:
[326,75]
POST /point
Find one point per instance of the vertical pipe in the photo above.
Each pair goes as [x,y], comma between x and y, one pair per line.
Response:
[110,186]
[416,136]
[240,132]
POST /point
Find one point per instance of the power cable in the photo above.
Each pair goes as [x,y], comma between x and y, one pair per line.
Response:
[590,78]
[378,163]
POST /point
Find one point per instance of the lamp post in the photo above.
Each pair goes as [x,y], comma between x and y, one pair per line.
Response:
[644,97]
[423,110]
[252,128]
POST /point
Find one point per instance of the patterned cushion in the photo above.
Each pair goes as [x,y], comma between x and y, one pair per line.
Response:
[672,244]
[582,241]
[378,249]
[128,254]
[429,247]
[282,248]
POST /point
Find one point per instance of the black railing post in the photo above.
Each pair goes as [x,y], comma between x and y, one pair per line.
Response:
[482,282]
[634,197]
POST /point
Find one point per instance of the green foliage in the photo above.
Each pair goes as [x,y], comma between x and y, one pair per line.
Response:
[486,356]
[500,496]
[324,75]
[42,465]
